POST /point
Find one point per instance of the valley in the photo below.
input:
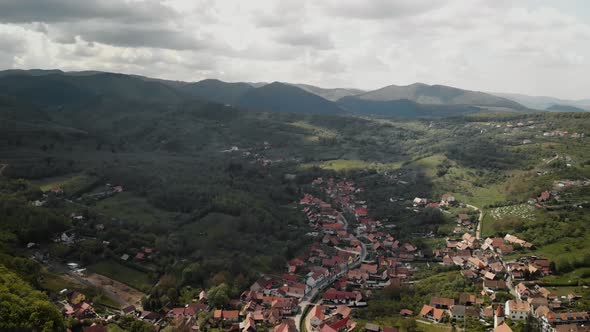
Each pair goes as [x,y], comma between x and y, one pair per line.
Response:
[146,206]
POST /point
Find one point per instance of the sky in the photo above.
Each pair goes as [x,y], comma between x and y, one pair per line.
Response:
[535,47]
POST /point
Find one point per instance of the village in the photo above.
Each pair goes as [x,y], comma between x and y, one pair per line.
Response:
[352,257]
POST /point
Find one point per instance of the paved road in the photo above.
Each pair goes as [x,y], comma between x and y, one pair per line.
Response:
[310,295]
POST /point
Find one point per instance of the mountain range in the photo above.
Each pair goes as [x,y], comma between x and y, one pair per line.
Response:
[56,88]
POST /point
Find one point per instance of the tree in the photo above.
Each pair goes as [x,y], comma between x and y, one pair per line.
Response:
[410,325]
[218,296]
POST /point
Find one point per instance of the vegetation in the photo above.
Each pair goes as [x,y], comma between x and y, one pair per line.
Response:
[209,189]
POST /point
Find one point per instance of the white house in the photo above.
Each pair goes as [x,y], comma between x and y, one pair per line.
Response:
[517,310]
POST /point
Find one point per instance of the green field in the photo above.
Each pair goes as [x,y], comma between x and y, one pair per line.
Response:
[71,183]
[133,209]
[346,165]
[122,273]
[56,282]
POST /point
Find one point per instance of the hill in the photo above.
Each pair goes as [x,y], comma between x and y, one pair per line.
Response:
[438,95]
[56,89]
[217,91]
[543,102]
[280,97]
[564,108]
[402,108]
[330,94]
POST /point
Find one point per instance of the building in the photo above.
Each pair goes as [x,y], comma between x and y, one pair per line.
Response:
[498,317]
[517,310]
[317,315]
[432,313]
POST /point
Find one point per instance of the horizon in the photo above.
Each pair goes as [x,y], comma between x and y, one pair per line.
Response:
[498,93]
[524,47]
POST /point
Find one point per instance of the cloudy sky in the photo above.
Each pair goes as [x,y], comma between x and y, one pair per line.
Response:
[527,46]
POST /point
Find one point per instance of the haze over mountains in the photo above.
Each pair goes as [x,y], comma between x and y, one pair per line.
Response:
[57,88]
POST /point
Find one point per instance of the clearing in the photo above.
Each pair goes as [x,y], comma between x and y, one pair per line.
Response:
[122,273]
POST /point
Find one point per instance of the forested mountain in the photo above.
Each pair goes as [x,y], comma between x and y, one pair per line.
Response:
[402,108]
[217,91]
[280,97]
[330,94]
[543,102]
[59,89]
[438,95]
[564,108]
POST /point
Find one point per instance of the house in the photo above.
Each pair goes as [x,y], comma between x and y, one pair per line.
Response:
[420,201]
[442,302]
[406,312]
[341,297]
[545,196]
[226,315]
[285,306]
[181,312]
[287,325]
[343,311]
[128,309]
[457,312]
[327,328]
[149,316]
[203,296]
[502,328]
[447,199]
[432,313]
[370,327]
[498,316]
[467,299]
[248,325]
[517,310]
[360,212]
[522,291]
[571,328]
[491,286]
[553,319]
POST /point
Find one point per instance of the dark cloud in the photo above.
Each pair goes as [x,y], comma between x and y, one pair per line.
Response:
[303,39]
[379,9]
[52,11]
[134,36]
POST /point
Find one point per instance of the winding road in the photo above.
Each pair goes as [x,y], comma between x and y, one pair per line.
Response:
[306,300]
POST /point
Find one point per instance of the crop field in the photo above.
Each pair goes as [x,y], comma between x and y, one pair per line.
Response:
[524,211]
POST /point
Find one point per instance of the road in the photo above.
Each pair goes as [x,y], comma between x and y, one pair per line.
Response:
[306,300]
[479,220]
[2,167]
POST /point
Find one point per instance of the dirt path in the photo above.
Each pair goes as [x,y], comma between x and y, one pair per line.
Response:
[124,294]
[479,220]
